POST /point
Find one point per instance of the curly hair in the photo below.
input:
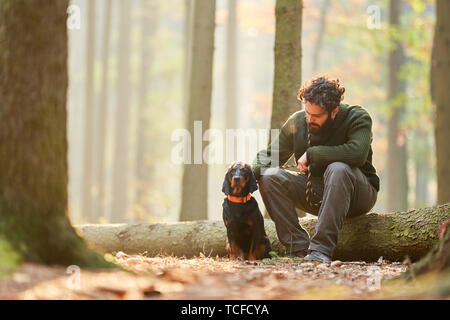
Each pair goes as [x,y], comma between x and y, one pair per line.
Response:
[323,92]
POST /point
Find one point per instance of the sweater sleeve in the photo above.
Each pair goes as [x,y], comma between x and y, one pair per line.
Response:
[354,152]
[282,146]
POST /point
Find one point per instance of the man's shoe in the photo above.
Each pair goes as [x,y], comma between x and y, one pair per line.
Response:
[318,256]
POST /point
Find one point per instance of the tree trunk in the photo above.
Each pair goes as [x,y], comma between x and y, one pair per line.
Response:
[396,182]
[441,97]
[288,61]
[86,192]
[231,79]
[393,236]
[195,175]
[231,69]
[320,35]
[34,225]
[421,153]
[100,203]
[288,64]
[188,30]
[144,171]
[119,205]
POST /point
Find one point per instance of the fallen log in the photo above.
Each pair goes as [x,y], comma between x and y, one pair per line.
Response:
[428,278]
[392,235]
[436,260]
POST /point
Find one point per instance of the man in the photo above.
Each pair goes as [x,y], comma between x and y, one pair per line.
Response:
[331,142]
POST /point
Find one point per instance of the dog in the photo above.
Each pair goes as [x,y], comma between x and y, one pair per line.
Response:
[246,237]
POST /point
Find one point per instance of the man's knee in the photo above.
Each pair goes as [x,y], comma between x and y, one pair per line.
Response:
[337,169]
[270,177]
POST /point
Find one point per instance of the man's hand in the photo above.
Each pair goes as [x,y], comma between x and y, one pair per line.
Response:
[302,163]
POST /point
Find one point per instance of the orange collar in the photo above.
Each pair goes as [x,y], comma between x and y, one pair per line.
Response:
[239,199]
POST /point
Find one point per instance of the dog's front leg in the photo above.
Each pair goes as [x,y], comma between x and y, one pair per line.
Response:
[234,252]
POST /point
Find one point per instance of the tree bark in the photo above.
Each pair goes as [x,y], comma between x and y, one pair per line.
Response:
[421,153]
[288,61]
[195,175]
[119,206]
[144,171]
[100,201]
[188,30]
[86,192]
[441,97]
[34,225]
[320,35]
[393,236]
[396,179]
[231,79]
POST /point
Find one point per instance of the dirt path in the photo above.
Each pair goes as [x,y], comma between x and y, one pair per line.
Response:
[201,278]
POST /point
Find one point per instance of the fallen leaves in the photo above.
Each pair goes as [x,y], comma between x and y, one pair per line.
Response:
[167,277]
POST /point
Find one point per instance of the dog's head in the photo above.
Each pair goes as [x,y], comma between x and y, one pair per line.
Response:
[239,181]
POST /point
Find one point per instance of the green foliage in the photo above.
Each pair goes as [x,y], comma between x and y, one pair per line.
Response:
[418,5]
[273,254]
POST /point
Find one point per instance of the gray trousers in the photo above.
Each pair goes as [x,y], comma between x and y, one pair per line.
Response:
[346,192]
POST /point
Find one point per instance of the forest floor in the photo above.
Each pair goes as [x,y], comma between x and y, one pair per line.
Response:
[167,277]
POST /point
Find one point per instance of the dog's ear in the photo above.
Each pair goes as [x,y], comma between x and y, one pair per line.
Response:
[253,186]
[226,184]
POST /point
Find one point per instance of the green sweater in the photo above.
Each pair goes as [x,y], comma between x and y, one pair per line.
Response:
[348,141]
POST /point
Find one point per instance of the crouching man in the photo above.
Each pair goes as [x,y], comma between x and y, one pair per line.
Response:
[331,143]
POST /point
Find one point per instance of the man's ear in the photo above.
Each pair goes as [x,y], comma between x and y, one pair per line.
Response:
[334,112]
[226,184]
[253,186]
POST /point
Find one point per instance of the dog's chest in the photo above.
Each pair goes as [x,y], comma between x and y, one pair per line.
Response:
[240,216]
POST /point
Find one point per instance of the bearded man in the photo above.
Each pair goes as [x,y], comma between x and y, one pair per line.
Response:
[331,143]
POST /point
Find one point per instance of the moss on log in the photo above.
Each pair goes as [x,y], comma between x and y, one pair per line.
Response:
[437,259]
[392,235]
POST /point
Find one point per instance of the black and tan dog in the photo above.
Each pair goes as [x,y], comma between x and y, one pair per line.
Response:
[247,238]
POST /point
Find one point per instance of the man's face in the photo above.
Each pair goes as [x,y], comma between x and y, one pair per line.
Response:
[318,119]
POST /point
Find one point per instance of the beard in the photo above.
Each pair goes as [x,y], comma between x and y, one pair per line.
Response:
[314,128]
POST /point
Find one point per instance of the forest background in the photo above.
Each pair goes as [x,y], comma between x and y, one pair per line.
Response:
[128,93]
